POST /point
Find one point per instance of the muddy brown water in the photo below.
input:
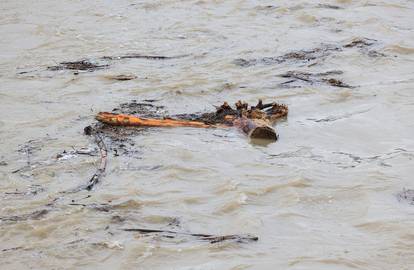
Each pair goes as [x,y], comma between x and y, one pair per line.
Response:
[323,197]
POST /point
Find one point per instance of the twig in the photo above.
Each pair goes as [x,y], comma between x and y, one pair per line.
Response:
[102,166]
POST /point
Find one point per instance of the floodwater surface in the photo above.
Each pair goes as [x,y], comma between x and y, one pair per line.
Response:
[324,196]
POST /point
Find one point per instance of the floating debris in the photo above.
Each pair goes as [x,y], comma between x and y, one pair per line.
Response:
[65,155]
[314,78]
[336,83]
[360,43]
[34,215]
[406,195]
[103,207]
[255,122]
[142,109]
[102,161]
[239,238]
[310,56]
[11,249]
[32,190]
[121,77]
[141,56]
[89,65]
[82,65]
[304,56]
[328,6]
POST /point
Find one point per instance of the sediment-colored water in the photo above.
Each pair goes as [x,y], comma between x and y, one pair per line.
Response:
[322,197]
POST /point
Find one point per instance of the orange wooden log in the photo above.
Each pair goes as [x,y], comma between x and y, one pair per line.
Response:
[253,128]
[130,120]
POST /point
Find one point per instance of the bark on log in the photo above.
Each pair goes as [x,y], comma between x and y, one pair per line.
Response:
[256,128]
[129,120]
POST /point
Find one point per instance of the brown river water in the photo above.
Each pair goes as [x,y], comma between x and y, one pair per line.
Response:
[324,196]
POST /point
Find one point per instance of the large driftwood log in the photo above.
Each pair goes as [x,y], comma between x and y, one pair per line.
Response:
[253,128]
[254,122]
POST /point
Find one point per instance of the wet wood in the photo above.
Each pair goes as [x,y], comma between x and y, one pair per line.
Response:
[255,121]
[130,120]
[256,128]
[253,128]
